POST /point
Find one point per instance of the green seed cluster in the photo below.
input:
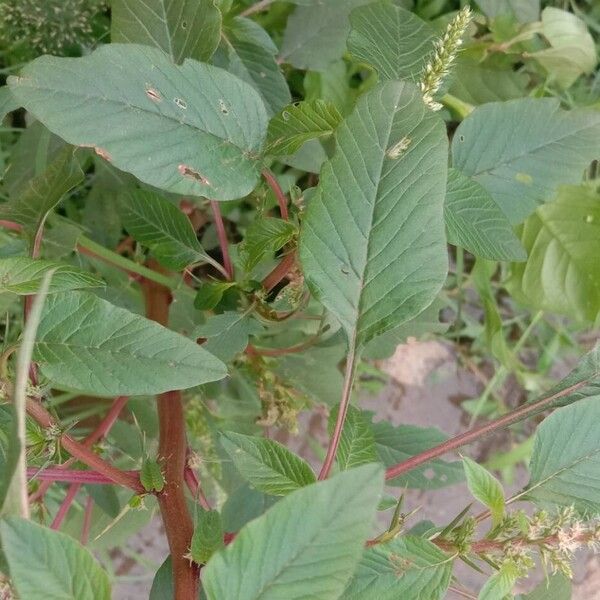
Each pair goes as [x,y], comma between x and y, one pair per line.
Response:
[444,53]
[36,27]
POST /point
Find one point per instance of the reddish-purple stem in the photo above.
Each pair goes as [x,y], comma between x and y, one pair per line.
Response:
[101,431]
[468,437]
[63,509]
[53,474]
[279,194]
[87,520]
[222,236]
[193,484]
[334,442]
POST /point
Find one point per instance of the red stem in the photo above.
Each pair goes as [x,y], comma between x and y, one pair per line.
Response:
[279,194]
[87,521]
[468,437]
[222,235]
[191,479]
[84,454]
[334,442]
[63,509]
[279,272]
[101,431]
[54,474]
[172,450]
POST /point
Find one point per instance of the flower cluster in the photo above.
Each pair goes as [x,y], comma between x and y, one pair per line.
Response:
[443,55]
[35,27]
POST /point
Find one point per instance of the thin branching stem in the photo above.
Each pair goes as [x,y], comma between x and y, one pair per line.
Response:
[334,442]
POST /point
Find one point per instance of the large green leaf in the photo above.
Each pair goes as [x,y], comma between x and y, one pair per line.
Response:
[247,51]
[562,239]
[524,11]
[266,464]
[306,546]
[300,122]
[49,564]
[395,444]
[181,28]
[479,82]
[393,40]
[357,444]
[31,205]
[566,458]
[190,129]
[87,344]
[372,240]
[315,35]
[475,222]
[408,567]
[572,49]
[161,226]
[23,275]
[522,150]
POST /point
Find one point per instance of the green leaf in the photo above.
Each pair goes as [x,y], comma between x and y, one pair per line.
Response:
[210,294]
[486,488]
[407,567]
[156,223]
[162,585]
[522,150]
[500,584]
[583,381]
[372,240]
[315,35]
[475,222]
[555,587]
[525,11]
[190,129]
[268,466]
[49,564]
[23,275]
[208,536]
[572,50]
[478,82]
[426,322]
[151,476]
[89,345]
[395,444]
[35,141]
[566,459]
[300,122]
[181,28]
[8,102]
[247,51]
[357,444]
[306,546]
[31,205]
[563,242]
[227,334]
[265,235]
[393,40]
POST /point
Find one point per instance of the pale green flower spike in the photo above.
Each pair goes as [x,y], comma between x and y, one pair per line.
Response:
[444,52]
